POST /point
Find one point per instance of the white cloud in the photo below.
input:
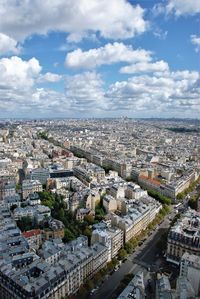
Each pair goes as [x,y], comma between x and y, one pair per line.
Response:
[183,7]
[140,60]
[163,93]
[195,40]
[162,35]
[19,95]
[170,93]
[145,67]
[8,45]
[85,92]
[16,73]
[178,7]
[49,77]
[110,53]
[112,19]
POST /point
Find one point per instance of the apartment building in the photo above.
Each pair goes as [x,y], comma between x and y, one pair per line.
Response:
[30,186]
[117,191]
[134,191]
[139,213]
[93,199]
[169,189]
[55,229]
[33,199]
[184,236]
[12,201]
[83,212]
[55,281]
[7,189]
[82,175]
[135,288]
[109,203]
[36,213]
[190,268]
[40,174]
[163,288]
[111,237]
[33,237]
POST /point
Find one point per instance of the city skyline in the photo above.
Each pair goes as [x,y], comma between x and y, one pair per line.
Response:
[91,208]
[80,59]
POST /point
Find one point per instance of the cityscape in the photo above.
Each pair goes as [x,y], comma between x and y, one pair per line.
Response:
[99,149]
[100,208]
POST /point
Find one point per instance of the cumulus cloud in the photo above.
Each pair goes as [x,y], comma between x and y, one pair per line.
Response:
[16,73]
[85,92]
[164,92]
[183,7]
[110,53]
[8,45]
[140,60]
[37,102]
[195,40]
[19,94]
[172,92]
[112,19]
[49,77]
[145,67]
[178,7]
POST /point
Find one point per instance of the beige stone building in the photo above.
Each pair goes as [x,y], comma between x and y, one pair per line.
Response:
[184,236]
[30,186]
[109,203]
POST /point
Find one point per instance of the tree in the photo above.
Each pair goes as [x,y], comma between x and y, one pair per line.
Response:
[97,277]
[89,219]
[25,223]
[89,285]
[61,214]
[42,135]
[103,271]
[110,266]
[128,247]
[82,291]
[122,254]
[87,232]
[114,261]
[161,198]
[69,236]
[193,202]
[134,242]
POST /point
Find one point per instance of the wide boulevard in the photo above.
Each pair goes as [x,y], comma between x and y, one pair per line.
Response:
[146,258]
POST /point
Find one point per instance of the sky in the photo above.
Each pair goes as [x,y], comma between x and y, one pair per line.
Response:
[99,58]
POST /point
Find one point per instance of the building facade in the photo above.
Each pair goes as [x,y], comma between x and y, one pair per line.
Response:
[184,236]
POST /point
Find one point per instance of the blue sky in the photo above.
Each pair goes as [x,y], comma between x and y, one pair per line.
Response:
[98,58]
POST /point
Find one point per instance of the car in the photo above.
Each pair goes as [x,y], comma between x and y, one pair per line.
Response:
[116,268]
[93,290]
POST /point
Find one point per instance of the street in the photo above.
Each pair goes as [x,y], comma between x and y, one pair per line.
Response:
[144,257]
